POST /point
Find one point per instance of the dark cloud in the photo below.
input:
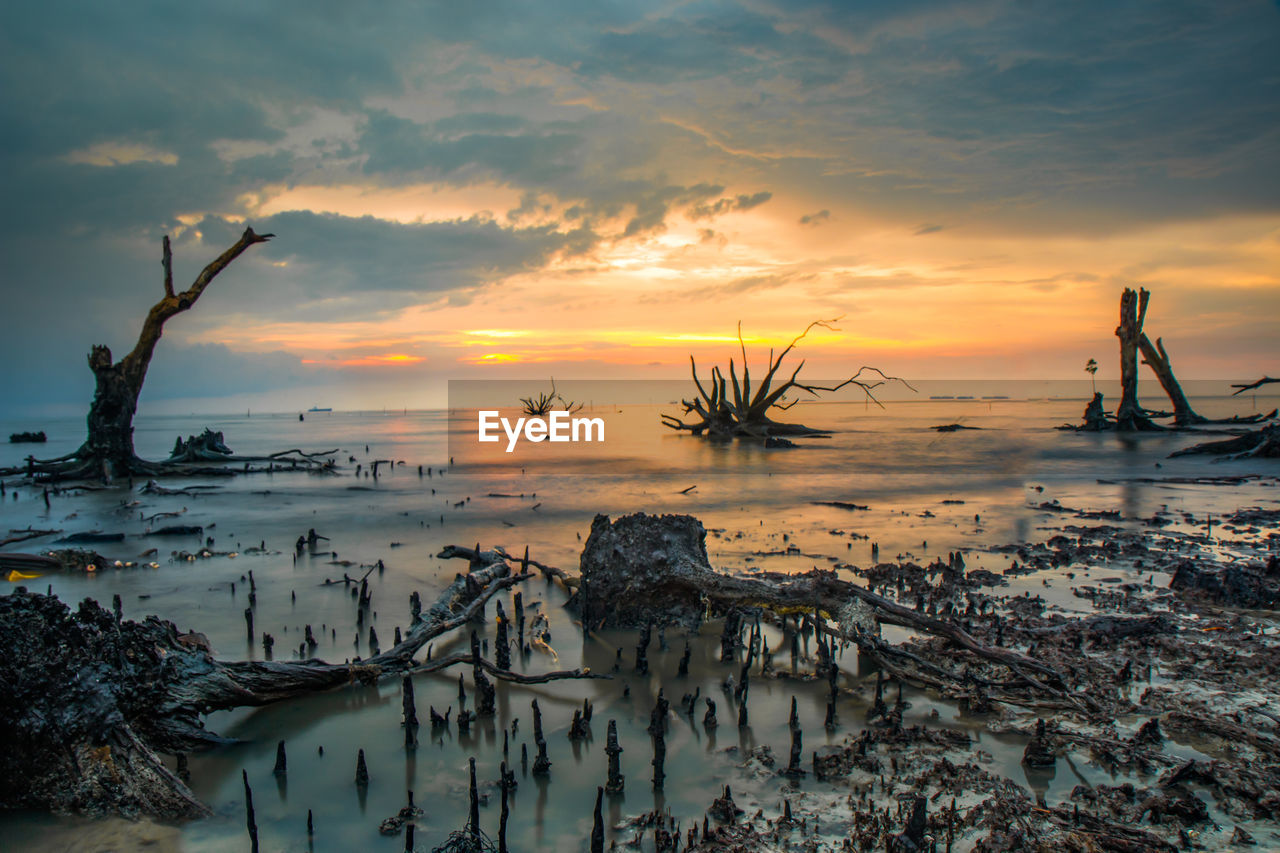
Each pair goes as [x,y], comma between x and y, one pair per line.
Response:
[1053,116]
[707,41]
[928,229]
[725,205]
[1063,118]
[330,256]
[393,144]
[652,207]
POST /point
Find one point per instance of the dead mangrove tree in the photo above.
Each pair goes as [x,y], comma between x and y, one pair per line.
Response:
[1130,415]
[541,404]
[733,409]
[108,451]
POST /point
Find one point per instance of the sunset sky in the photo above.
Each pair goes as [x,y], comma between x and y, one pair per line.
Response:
[590,190]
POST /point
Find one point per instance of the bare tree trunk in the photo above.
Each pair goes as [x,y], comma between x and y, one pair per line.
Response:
[1158,360]
[1183,414]
[108,449]
[1130,416]
[110,422]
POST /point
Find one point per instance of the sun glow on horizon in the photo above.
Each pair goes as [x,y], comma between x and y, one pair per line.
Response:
[949,297]
[391,359]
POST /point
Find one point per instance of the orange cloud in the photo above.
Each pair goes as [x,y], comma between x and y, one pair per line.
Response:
[391,359]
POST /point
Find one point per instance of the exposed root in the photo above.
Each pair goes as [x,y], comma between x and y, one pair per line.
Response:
[90,698]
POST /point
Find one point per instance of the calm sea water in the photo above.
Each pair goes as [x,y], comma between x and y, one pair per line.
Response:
[755,501]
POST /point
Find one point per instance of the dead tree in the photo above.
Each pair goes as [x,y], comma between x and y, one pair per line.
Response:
[1158,360]
[108,450]
[544,403]
[1130,416]
[731,409]
[1183,415]
[90,744]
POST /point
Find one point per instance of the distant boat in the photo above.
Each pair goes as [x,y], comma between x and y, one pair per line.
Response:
[996,397]
[318,409]
[964,398]
[941,398]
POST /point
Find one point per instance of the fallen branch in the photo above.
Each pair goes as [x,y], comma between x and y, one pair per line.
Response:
[91,745]
[438,664]
[1266,380]
[479,557]
[24,535]
[1263,442]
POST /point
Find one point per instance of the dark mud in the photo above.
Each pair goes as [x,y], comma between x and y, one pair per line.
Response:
[1161,672]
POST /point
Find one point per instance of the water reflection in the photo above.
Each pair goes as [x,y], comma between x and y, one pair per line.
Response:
[749,498]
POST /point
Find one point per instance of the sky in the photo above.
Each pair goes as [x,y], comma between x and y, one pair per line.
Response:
[599,190]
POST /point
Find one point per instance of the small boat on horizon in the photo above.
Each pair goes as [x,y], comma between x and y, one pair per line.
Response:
[318,409]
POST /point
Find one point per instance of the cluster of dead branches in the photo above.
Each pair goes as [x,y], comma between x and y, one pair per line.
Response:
[544,403]
[733,409]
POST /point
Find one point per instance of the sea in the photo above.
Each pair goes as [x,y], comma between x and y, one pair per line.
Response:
[882,476]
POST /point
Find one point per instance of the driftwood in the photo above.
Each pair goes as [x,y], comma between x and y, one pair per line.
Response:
[209,446]
[24,535]
[743,414]
[90,699]
[1263,442]
[1155,356]
[1240,389]
[477,557]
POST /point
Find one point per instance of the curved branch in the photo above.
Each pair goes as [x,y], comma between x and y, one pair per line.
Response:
[134,365]
[438,664]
